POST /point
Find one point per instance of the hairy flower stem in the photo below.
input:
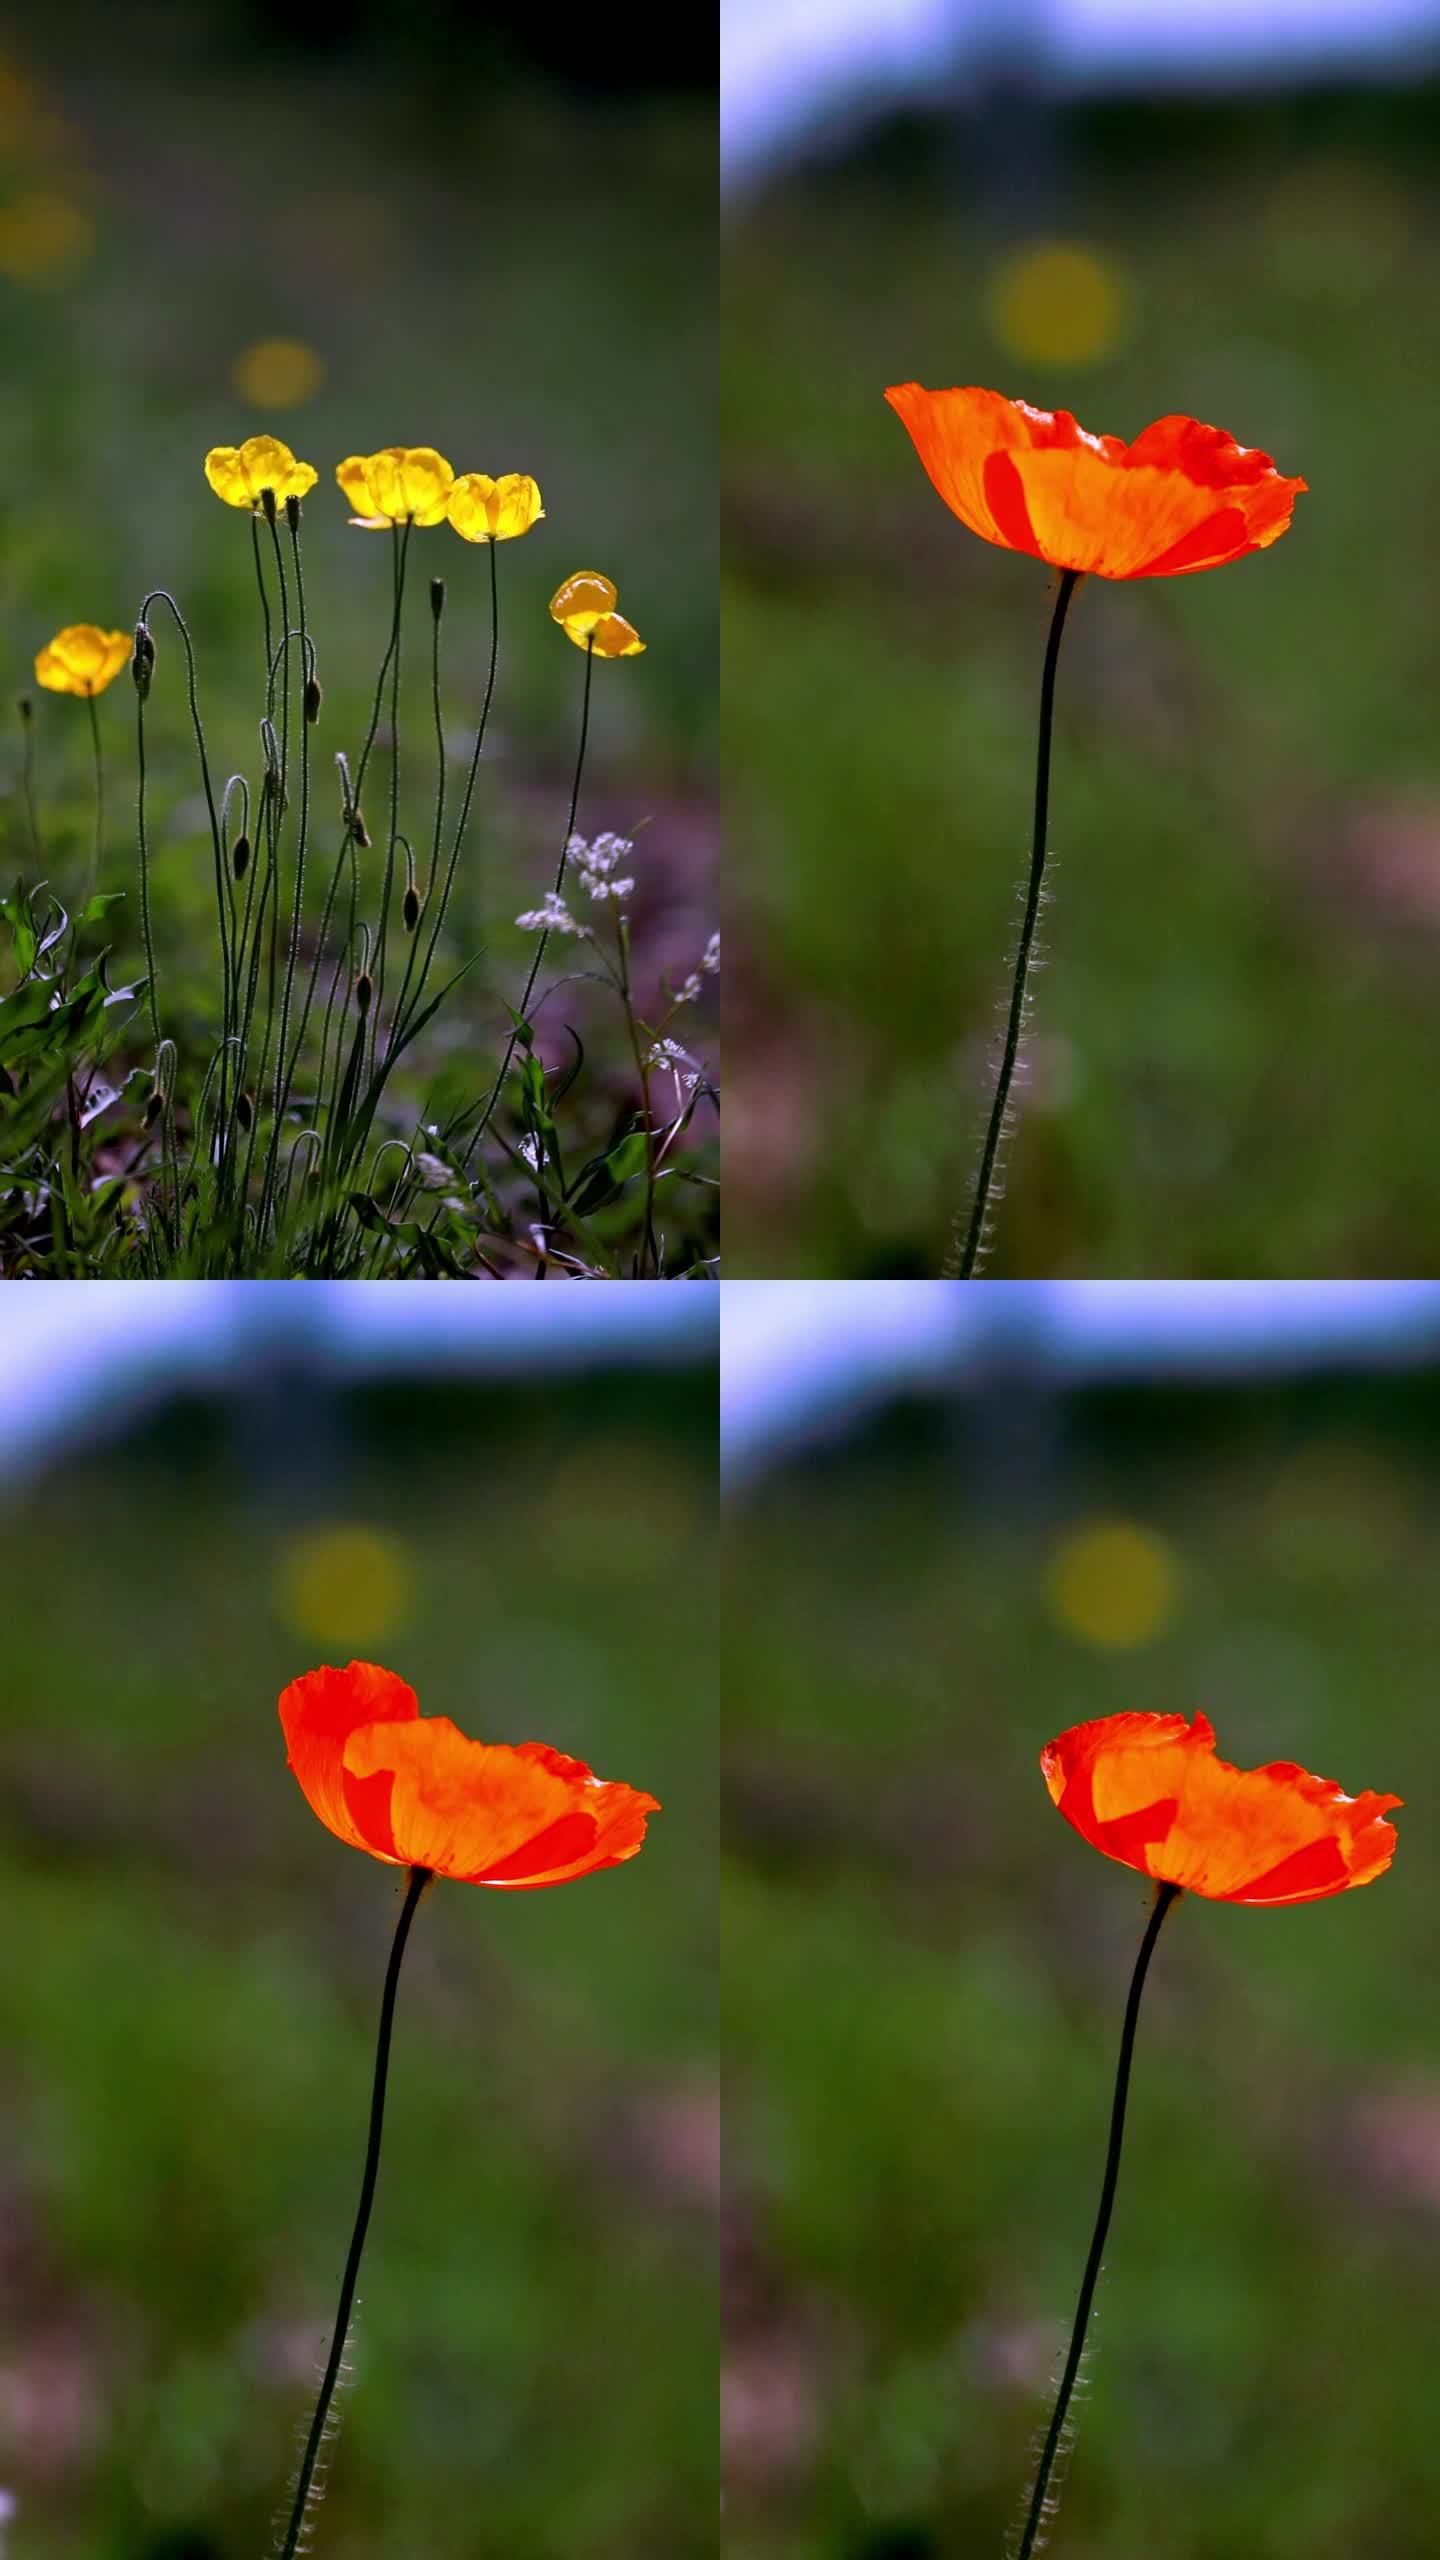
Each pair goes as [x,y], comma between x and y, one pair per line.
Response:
[975,1233]
[524,1005]
[1165,1894]
[419,1878]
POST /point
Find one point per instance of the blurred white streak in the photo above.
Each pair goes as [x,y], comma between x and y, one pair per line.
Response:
[801,1360]
[797,73]
[74,1355]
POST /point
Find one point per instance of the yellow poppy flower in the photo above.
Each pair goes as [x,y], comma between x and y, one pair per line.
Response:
[238,473]
[585,610]
[486,510]
[83,659]
[402,484]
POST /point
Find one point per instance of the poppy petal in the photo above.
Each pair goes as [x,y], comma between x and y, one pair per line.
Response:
[469,1809]
[319,1712]
[1034,480]
[1151,1792]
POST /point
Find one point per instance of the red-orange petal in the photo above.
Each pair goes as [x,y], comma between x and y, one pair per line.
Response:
[319,1712]
[1182,497]
[492,1812]
[1151,1792]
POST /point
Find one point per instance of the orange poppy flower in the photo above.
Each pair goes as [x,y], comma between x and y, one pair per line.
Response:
[417,1792]
[1181,497]
[1150,1792]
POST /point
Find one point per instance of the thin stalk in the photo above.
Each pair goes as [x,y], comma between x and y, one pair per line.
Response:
[524,1005]
[435,923]
[99,799]
[1165,1894]
[419,1878]
[975,1233]
[347,851]
[401,547]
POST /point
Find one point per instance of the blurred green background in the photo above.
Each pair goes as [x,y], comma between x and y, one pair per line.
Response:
[474,242]
[1235,1038]
[188,2008]
[925,1971]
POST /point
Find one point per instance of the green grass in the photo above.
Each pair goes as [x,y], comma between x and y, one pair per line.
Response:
[188,2009]
[925,1971]
[1233,1037]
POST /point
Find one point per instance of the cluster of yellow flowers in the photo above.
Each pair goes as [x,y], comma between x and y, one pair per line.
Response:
[401,485]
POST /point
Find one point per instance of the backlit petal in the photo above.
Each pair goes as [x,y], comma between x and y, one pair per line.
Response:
[488,1813]
[319,1713]
[1150,1792]
[1182,497]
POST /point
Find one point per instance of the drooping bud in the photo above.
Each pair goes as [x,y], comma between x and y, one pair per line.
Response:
[154,1105]
[410,908]
[142,662]
[267,505]
[245,1111]
[313,699]
[364,989]
[437,597]
[358,829]
[240,856]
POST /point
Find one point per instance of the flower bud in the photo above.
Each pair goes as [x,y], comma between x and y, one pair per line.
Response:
[142,663]
[292,513]
[245,1111]
[410,909]
[437,597]
[313,699]
[359,830]
[267,505]
[240,856]
[154,1105]
[364,989]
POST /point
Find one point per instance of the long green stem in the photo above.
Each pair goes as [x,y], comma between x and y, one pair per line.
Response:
[419,1878]
[1165,1894]
[975,1232]
[99,798]
[524,1005]
[434,924]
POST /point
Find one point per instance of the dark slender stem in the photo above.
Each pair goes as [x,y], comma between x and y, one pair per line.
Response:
[975,1233]
[419,1878]
[1165,1894]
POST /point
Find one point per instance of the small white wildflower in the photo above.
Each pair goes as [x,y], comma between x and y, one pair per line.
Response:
[670,1055]
[711,961]
[553,917]
[689,993]
[529,1148]
[599,887]
[607,853]
[433,1172]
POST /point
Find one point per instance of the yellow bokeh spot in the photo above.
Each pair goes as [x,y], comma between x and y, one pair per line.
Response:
[41,236]
[277,373]
[345,1585]
[1054,303]
[1113,1584]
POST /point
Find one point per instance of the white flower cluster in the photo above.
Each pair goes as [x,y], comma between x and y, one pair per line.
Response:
[693,986]
[676,1062]
[553,917]
[597,865]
